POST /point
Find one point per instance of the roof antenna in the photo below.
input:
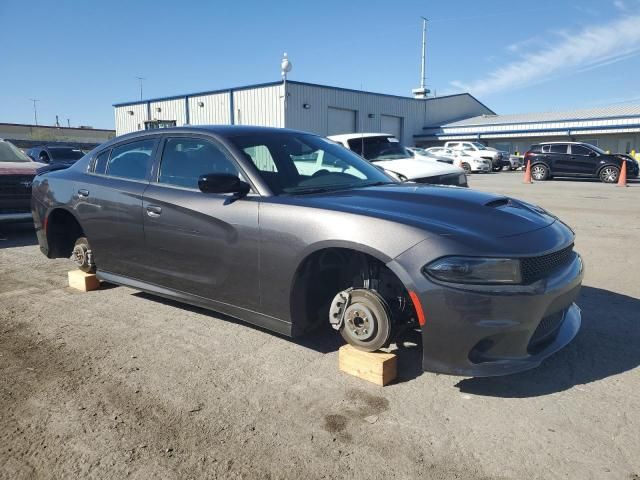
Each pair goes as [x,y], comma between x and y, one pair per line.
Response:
[423,91]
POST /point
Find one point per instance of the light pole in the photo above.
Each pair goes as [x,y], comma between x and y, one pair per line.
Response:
[35,109]
[285,67]
[141,79]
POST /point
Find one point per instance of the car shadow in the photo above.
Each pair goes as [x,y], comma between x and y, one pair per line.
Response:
[323,340]
[589,180]
[606,345]
[17,235]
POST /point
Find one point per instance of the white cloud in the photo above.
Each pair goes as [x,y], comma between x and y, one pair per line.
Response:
[620,5]
[593,47]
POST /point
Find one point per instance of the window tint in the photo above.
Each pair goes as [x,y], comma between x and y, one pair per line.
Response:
[261,158]
[558,148]
[131,160]
[580,150]
[100,165]
[184,160]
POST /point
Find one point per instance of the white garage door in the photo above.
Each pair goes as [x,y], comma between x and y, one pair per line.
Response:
[392,125]
[341,121]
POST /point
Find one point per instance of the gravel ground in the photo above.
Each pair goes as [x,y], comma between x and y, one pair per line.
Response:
[117,384]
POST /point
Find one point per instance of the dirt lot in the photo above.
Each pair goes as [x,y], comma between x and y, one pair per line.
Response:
[116,384]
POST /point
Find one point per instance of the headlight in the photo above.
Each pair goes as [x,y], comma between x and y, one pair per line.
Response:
[475,270]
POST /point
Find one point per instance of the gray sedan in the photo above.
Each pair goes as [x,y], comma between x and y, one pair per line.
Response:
[286,230]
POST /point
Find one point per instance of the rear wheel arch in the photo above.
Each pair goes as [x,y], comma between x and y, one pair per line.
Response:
[62,230]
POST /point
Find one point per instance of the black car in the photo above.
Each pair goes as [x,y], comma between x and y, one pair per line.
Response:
[58,155]
[575,159]
[236,219]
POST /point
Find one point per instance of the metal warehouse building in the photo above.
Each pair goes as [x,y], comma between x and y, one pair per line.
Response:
[615,128]
[315,108]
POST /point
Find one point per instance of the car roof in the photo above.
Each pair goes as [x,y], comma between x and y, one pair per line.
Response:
[564,143]
[351,136]
[222,130]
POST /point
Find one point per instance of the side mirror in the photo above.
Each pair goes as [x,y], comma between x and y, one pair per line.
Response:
[222,183]
[593,154]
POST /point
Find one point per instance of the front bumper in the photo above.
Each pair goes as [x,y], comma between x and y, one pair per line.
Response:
[501,330]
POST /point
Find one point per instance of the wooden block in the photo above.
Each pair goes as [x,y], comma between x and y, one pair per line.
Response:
[85,282]
[377,367]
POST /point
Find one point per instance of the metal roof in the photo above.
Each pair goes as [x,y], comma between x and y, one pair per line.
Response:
[295,82]
[597,113]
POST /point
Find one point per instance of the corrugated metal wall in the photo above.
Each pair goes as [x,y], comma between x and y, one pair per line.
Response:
[319,99]
[215,109]
[170,110]
[127,123]
[259,106]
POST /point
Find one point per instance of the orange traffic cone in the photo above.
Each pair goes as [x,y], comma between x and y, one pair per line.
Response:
[527,173]
[622,179]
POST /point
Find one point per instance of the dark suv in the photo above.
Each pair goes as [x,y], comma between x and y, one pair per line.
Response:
[574,159]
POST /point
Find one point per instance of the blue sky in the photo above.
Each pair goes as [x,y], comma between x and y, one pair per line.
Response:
[80,57]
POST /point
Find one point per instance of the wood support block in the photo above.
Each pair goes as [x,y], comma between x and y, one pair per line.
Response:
[376,367]
[85,282]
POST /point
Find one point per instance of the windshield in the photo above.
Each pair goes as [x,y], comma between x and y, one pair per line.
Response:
[479,146]
[66,153]
[10,153]
[297,163]
[379,148]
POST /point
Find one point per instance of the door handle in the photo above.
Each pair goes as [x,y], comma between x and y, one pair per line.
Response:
[153,211]
[83,192]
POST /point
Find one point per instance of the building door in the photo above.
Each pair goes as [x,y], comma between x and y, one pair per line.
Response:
[341,120]
[391,124]
[625,145]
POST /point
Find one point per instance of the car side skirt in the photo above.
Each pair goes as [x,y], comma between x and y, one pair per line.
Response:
[265,321]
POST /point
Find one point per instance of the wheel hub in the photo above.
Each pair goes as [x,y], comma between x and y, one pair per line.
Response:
[80,255]
[360,321]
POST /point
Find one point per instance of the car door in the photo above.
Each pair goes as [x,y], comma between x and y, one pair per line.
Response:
[559,160]
[582,160]
[109,205]
[203,244]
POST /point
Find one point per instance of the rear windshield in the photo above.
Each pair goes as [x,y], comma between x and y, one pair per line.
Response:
[66,153]
[379,148]
[10,153]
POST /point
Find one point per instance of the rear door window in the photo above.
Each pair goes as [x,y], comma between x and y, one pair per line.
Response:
[100,163]
[131,160]
[559,148]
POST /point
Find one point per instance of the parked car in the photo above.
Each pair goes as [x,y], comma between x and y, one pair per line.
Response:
[470,163]
[576,159]
[220,217]
[441,152]
[16,175]
[515,161]
[422,154]
[55,155]
[386,152]
[478,150]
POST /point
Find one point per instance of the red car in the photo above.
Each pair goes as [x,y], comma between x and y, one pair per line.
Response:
[16,176]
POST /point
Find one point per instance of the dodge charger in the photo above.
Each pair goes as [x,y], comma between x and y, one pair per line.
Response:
[289,231]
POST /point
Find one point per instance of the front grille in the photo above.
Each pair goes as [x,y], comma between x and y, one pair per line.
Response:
[535,268]
[15,186]
[546,332]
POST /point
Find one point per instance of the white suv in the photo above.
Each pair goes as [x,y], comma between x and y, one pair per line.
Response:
[478,150]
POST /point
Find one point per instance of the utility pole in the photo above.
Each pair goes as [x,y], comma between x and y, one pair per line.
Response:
[35,109]
[68,123]
[423,91]
[141,79]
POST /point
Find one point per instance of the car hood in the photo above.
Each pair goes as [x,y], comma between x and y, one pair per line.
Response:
[19,168]
[417,168]
[439,210]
